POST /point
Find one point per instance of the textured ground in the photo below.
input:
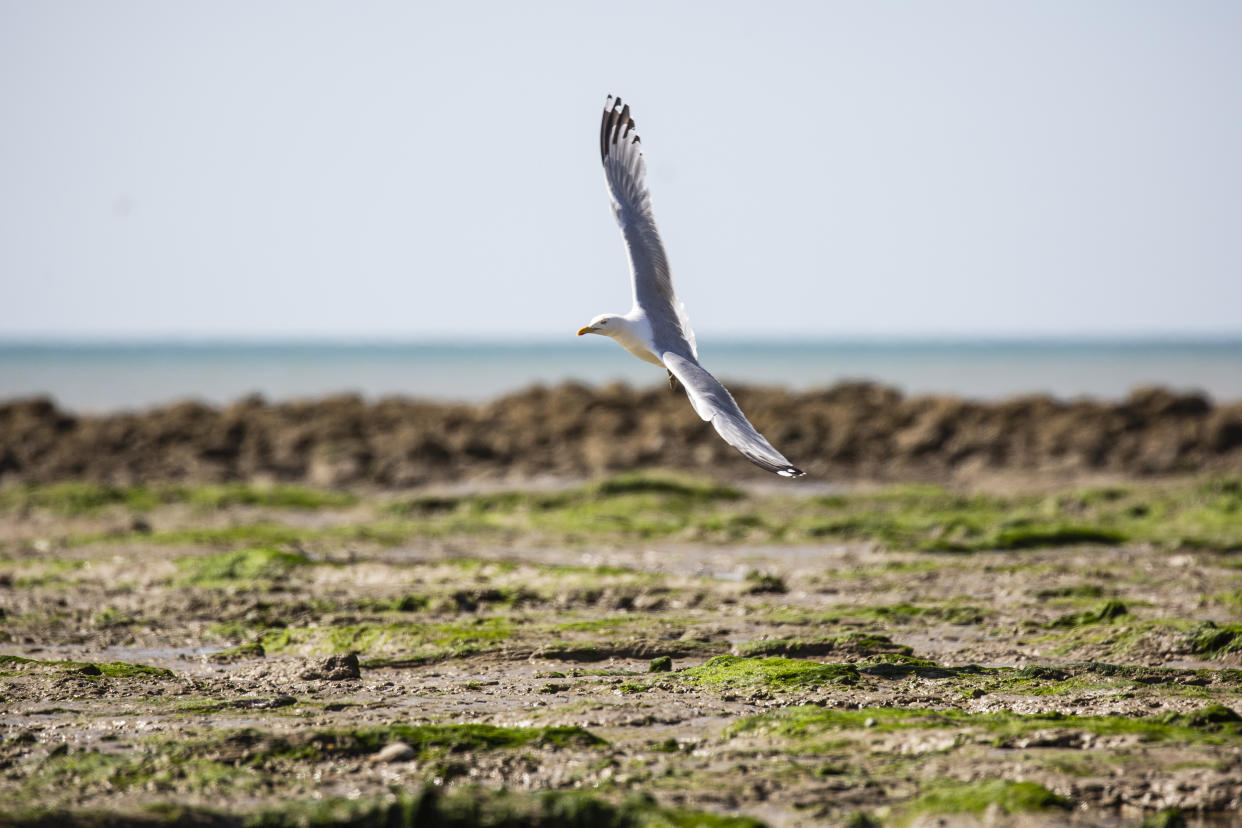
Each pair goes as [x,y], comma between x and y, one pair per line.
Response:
[637,651]
[852,431]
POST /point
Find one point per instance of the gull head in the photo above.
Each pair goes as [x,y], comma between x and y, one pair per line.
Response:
[606,324]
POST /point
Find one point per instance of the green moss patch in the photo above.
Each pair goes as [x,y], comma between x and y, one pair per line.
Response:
[11,665]
[1180,515]
[646,506]
[735,672]
[255,563]
[637,648]
[78,498]
[403,642]
[807,724]
[271,534]
[54,572]
[428,807]
[282,496]
[1077,677]
[667,485]
[436,740]
[848,643]
[1106,612]
[1209,639]
[951,797]
[257,748]
[93,771]
[959,614]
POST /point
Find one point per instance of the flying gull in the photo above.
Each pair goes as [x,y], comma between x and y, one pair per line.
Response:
[656,329]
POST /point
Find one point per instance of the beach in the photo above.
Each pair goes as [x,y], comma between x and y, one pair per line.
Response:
[574,605]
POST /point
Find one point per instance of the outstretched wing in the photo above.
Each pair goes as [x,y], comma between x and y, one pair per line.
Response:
[625,170]
[714,403]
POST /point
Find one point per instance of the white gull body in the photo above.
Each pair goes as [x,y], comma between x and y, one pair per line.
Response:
[656,329]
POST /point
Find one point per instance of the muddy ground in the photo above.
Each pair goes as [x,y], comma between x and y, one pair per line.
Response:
[643,650]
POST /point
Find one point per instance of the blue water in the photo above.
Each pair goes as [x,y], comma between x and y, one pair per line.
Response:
[103,377]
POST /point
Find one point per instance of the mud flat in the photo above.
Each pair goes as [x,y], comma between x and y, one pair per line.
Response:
[853,431]
[638,650]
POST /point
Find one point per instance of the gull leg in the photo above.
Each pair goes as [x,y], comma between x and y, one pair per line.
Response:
[673,384]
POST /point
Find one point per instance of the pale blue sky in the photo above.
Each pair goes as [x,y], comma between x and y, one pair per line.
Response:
[819,169]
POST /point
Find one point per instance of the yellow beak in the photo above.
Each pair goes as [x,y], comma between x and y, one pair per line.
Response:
[586,330]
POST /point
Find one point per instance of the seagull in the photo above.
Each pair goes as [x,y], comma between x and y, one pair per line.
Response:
[656,329]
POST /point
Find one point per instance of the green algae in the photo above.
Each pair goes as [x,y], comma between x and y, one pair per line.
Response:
[1117,638]
[932,519]
[735,672]
[410,643]
[430,806]
[1108,611]
[54,572]
[76,498]
[805,724]
[640,648]
[918,518]
[948,613]
[80,498]
[665,484]
[281,496]
[1094,675]
[645,506]
[1232,599]
[92,770]
[1167,818]
[944,612]
[1073,591]
[953,797]
[1207,638]
[410,602]
[759,583]
[11,665]
[975,681]
[252,564]
[263,533]
[112,618]
[858,765]
[430,741]
[853,643]
[898,665]
[1214,717]
[639,505]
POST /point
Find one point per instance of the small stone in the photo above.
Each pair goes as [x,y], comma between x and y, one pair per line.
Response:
[868,722]
[663,664]
[264,704]
[334,668]
[393,752]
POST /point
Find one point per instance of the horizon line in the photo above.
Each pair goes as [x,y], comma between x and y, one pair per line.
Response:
[448,340]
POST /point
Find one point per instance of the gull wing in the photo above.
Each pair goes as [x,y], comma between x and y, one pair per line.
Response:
[714,403]
[625,170]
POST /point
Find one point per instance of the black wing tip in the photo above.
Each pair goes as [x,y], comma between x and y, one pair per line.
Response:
[785,469]
[617,125]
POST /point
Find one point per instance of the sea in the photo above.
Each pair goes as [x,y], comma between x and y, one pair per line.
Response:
[100,377]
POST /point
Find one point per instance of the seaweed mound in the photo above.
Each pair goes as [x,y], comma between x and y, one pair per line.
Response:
[850,431]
